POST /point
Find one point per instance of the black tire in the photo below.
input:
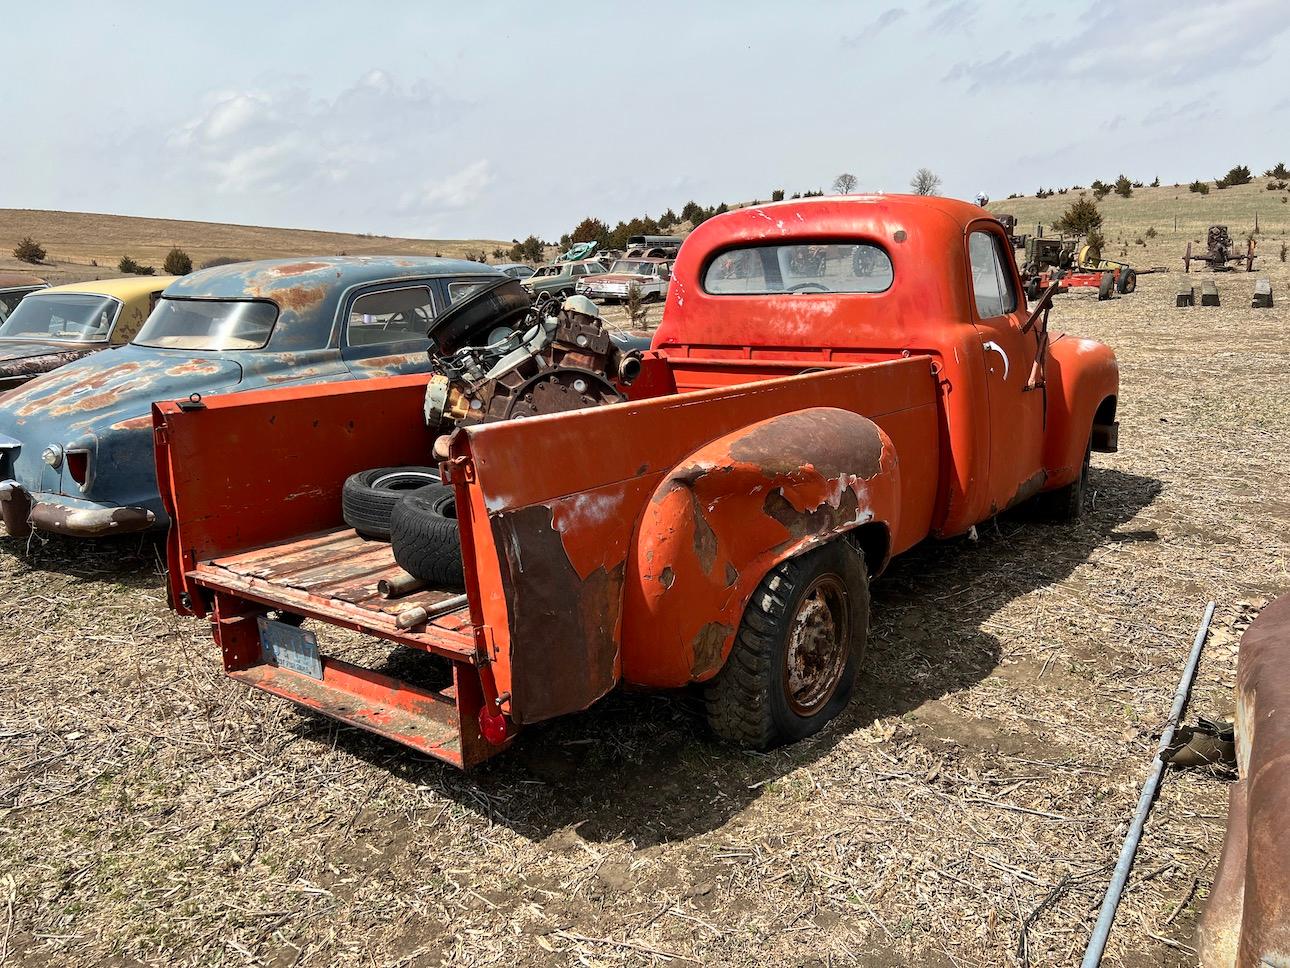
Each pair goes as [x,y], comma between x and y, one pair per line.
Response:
[752,701]
[1105,286]
[1128,281]
[1033,292]
[425,539]
[367,498]
[1067,503]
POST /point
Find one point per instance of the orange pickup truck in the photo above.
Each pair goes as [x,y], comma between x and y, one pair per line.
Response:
[834,380]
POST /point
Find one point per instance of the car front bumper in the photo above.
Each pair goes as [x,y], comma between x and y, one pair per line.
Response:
[22,512]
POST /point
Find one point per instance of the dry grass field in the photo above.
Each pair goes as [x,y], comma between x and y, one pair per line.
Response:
[965,810]
[74,241]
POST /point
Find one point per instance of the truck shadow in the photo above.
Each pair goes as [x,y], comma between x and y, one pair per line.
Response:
[644,767]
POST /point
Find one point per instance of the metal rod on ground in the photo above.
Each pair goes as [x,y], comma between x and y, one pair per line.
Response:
[1105,917]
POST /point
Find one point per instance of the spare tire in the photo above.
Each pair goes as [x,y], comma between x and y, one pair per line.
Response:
[424,536]
[367,498]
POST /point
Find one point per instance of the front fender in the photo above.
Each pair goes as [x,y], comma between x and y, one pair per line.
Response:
[735,508]
[1080,375]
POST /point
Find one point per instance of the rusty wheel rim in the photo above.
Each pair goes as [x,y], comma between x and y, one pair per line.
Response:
[816,651]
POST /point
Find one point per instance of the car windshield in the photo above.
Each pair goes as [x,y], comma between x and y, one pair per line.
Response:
[70,316]
[636,268]
[811,268]
[208,324]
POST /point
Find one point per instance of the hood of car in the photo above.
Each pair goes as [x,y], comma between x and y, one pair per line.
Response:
[619,277]
[22,359]
[101,390]
[25,349]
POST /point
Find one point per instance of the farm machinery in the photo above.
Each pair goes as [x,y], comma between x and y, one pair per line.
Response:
[1059,261]
[1017,239]
[1220,249]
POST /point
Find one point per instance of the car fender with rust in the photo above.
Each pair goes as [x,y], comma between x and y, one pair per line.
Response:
[1081,376]
[732,511]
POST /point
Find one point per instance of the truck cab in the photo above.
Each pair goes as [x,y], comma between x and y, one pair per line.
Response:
[834,380]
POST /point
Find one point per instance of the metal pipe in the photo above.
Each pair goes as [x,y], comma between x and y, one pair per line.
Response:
[399,585]
[1105,917]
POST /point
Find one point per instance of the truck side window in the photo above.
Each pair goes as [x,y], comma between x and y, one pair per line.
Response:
[390,316]
[991,283]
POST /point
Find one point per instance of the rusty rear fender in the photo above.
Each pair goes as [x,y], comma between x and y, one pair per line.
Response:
[732,511]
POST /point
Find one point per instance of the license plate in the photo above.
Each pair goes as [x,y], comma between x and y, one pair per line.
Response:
[290,648]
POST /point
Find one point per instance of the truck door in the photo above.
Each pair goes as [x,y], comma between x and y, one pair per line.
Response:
[1016,423]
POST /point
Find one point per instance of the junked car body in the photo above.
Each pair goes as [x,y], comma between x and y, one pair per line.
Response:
[560,279]
[834,380]
[649,276]
[516,270]
[53,326]
[76,445]
[15,285]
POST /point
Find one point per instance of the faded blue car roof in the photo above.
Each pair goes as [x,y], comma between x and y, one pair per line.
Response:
[308,291]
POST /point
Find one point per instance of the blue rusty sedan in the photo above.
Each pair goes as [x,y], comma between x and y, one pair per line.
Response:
[76,454]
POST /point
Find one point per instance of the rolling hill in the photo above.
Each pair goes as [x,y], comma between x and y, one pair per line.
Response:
[75,241]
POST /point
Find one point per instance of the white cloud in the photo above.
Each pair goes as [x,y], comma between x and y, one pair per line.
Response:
[283,148]
[455,191]
[1161,43]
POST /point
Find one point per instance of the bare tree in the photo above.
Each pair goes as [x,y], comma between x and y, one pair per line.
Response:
[845,183]
[925,182]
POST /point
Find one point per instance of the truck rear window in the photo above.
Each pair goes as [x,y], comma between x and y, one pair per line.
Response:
[819,267]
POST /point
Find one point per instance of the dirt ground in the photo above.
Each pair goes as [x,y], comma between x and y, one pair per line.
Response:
[965,810]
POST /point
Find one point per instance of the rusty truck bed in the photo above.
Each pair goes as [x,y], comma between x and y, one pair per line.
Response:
[333,575]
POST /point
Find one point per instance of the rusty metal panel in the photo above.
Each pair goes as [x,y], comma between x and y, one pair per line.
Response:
[559,517]
[1247,920]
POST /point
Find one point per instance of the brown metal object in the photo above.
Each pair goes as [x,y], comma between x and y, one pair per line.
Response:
[89,523]
[1247,920]
[1220,249]
[15,509]
[398,585]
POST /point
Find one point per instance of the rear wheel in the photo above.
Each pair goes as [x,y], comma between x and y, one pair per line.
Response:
[1106,286]
[794,660]
[1128,281]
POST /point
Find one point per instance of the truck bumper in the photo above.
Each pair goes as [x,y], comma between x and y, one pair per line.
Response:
[22,512]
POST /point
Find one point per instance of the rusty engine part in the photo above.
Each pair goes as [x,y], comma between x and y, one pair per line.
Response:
[545,364]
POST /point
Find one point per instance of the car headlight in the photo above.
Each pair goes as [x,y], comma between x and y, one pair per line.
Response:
[53,456]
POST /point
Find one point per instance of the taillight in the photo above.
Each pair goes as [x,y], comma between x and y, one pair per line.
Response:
[78,465]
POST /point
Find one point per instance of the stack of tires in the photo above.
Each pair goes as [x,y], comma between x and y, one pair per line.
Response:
[411,508]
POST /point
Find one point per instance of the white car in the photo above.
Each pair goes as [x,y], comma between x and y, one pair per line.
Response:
[650,276]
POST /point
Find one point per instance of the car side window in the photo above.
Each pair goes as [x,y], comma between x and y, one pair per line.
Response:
[579,270]
[390,316]
[456,290]
[991,282]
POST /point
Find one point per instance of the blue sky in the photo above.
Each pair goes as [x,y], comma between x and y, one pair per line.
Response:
[494,120]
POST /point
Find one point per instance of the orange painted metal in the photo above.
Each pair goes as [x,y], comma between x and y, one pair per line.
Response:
[621,544]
